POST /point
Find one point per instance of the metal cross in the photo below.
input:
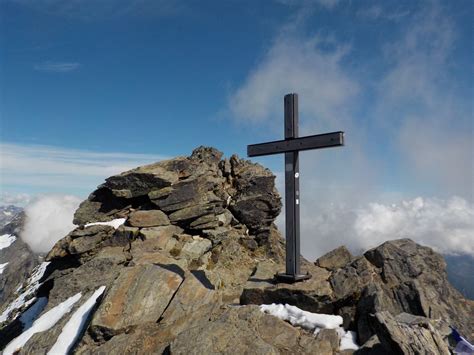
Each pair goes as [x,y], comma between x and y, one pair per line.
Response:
[291,146]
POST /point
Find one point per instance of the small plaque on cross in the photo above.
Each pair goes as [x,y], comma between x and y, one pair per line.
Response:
[291,146]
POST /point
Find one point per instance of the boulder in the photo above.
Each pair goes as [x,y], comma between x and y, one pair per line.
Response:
[139,295]
[247,330]
[335,259]
[153,218]
[409,334]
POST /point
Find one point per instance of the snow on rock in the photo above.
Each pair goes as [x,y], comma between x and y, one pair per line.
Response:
[43,323]
[6,240]
[114,223]
[301,318]
[313,322]
[2,267]
[26,298]
[74,327]
[348,340]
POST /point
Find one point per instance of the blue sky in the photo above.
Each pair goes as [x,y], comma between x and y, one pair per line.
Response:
[90,88]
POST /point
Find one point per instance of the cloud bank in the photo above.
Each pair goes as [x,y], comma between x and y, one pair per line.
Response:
[48,219]
[445,225]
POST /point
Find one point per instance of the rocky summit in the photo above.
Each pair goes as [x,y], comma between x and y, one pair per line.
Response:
[177,256]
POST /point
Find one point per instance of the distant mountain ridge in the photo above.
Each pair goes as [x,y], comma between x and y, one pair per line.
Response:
[8,213]
[16,257]
[460,269]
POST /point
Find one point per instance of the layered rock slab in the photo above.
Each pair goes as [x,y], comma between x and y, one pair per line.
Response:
[140,294]
[246,330]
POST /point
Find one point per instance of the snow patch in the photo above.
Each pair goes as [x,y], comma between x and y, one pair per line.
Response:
[25,299]
[312,321]
[74,327]
[6,240]
[348,339]
[114,223]
[301,318]
[45,322]
[2,267]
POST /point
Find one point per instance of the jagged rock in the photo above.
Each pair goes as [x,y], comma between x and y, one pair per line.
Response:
[159,232]
[139,295]
[335,259]
[414,280]
[313,295]
[153,218]
[408,334]
[329,336]
[195,299]
[371,347]
[255,202]
[246,330]
[84,243]
[350,280]
[196,248]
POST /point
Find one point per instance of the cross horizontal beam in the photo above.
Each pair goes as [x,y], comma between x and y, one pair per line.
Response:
[317,141]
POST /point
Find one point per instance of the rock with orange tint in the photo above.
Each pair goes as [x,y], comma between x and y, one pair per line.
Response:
[153,218]
[139,295]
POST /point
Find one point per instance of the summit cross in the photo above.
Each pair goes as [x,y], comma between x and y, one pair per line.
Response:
[291,146]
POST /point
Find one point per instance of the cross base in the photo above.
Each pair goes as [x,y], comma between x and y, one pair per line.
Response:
[289,278]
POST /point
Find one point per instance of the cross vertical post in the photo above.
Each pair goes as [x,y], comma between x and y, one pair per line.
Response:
[291,146]
[292,187]
[292,195]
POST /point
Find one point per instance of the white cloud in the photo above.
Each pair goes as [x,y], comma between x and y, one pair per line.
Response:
[445,225]
[297,64]
[57,67]
[62,168]
[48,219]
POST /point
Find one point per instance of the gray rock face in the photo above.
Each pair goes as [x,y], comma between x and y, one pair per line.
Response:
[408,334]
[140,294]
[246,330]
[414,280]
[198,250]
[335,259]
[389,296]
[196,193]
[154,218]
